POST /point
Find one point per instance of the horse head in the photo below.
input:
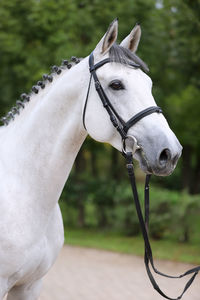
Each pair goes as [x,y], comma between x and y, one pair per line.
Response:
[128,90]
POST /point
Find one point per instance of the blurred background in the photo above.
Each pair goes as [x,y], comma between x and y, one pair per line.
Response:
[96,202]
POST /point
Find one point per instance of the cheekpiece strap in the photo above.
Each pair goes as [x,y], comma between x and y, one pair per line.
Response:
[117,121]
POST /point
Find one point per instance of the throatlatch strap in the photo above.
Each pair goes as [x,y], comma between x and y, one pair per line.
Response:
[144,224]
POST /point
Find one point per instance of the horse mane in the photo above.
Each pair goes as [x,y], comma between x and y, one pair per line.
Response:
[117,54]
[47,78]
[124,56]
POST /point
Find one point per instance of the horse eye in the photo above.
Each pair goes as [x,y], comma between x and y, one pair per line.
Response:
[116,85]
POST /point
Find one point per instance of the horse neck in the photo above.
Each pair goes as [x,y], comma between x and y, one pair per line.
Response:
[42,143]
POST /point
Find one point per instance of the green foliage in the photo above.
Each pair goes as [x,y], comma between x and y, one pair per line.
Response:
[162,249]
[37,34]
[185,106]
[174,214]
[109,205]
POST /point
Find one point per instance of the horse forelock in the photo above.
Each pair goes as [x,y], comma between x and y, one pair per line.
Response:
[124,56]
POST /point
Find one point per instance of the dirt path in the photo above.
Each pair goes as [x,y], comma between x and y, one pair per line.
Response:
[89,274]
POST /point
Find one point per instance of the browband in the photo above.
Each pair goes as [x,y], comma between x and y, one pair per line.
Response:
[107,60]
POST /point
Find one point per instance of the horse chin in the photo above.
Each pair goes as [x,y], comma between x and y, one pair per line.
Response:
[163,172]
[143,162]
[147,168]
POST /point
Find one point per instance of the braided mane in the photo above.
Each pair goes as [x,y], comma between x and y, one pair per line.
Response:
[116,53]
[20,104]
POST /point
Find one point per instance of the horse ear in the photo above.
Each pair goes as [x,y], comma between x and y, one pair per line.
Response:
[108,39]
[132,40]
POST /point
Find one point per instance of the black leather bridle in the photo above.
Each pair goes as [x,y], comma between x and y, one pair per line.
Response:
[122,127]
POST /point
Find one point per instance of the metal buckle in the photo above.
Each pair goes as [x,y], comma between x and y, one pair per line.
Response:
[135,145]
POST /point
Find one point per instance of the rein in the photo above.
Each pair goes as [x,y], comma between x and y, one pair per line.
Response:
[122,127]
[144,225]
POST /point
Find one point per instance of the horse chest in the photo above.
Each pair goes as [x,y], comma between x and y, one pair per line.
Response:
[29,251]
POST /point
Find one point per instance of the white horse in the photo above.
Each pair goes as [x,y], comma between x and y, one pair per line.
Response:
[39,147]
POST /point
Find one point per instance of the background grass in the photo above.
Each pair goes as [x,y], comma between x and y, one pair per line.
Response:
[111,241]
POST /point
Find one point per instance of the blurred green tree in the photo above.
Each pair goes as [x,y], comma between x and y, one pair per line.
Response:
[37,34]
[183,104]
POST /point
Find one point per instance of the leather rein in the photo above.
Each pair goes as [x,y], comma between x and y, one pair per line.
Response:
[122,127]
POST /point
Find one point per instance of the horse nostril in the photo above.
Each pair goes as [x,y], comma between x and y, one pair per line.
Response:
[165,156]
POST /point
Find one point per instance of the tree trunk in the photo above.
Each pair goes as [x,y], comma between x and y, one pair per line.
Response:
[114,169]
[94,163]
[186,167]
[195,183]
[102,218]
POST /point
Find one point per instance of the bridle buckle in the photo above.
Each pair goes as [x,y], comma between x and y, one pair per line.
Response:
[135,146]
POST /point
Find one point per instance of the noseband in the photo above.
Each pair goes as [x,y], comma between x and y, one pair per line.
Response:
[122,127]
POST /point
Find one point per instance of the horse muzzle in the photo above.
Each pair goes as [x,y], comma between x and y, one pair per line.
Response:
[162,164]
